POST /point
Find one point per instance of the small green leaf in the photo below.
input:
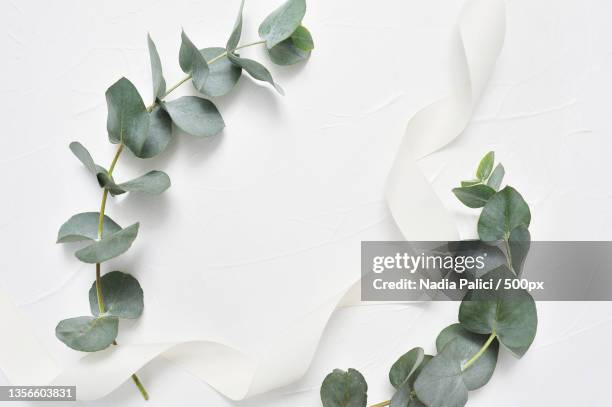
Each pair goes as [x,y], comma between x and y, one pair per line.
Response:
[128,119]
[404,397]
[510,313]
[84,226]
[475,196]
[486,166]
[107,182]
[196,116]
[282,22]
[234,38]
[519,244]
[302,39]
[153,182]
[159,83]
[344,389]
[286,53]
[504,212]
[468,344]
[87,334]
[109,246]
[470,183]
[405,366]
[160,133]
[222,76]
[256,70]
[192,61]
[496,177]
[84,157]
[122,294]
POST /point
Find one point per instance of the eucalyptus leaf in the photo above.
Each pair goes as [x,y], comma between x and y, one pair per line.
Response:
[153,182]
[234,38]
[84,226]
[222,75]
[286,53]
[486,166]
[519,244]
[504,212]
[470,183]
[405,366]
[87,334]
[122,294]
[106,181]
[302,39]
[84,157]
[475,196]
[128,119]
[468,344]
[160,133]
[256,70]
[192,61]
[282,22]
[496,177]
[344,389]
[196,116]
[440,383]
[159,83]
[405,397]
[109,246]
[510,313]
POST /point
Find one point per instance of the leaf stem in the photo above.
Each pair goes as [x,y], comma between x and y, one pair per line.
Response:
[482,350]
[382,404]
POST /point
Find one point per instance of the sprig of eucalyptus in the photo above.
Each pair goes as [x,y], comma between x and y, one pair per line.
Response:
[146,132]
[467,351]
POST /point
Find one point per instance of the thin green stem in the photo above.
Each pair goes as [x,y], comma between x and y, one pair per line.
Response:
[382,404]
[478,354]
[138,384]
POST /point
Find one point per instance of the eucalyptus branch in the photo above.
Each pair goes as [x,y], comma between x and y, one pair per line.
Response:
[487,318]
[146,132]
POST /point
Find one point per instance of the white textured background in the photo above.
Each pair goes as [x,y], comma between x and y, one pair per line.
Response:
[294,183]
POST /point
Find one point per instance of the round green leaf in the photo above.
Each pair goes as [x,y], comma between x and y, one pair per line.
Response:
[510,313]
[160,133]
[286,53]
[475,196]
[122,294]
[405,366]
[153,182]
[302,39]
[344,389]
[128,119]
[159,83]
[192,61]
[505,211]
[256,70]
[282,22]
[87,334]
[496,177]
[440,383]
[486,166]
[404,397]
[109,246]
[222,76]
[84,226]
[468,344]
[196,116]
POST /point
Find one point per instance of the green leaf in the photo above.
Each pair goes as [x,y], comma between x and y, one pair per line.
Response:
[128,119]
[234,38]
[468,344]
[195,116]
[109,246]
[84,226]
[222,76]
[405,366]
[192,61]
[153,182]
[519,244]
[486,166]
[282,22]
[440,383]
[404,397]
[107,182]
[159,83]
[286,53]
[87,334]
[256,70]
[470,183]
[160,133]
[496,177]
[84,157]
[302,39]
[505,211]
[510,313]
[122,294]
[475,196]
[344,389]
